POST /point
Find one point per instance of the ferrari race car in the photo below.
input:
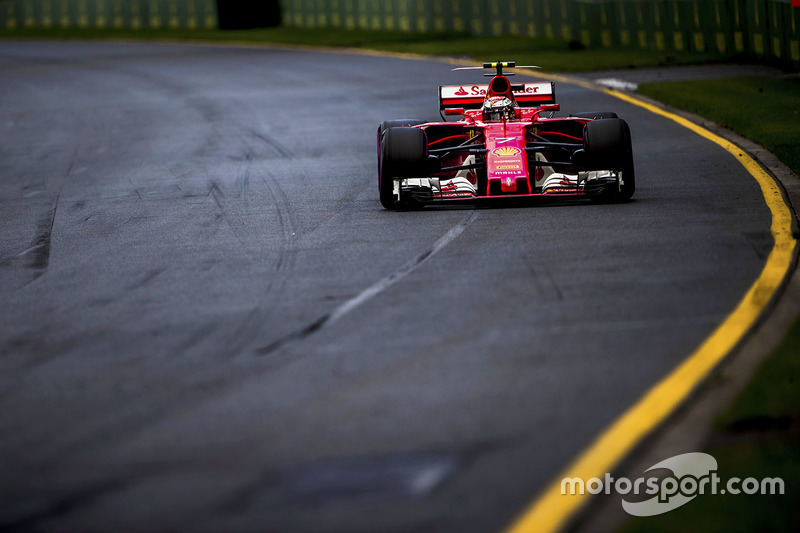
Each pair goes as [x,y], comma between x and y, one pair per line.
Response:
[507,144]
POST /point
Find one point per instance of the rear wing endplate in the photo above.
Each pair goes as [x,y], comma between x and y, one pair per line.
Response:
[472,96]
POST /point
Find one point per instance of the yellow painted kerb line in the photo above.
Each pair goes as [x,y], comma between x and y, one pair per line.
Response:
[551,511]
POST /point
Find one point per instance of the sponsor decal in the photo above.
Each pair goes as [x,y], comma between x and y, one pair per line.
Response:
[509,167]
[454,91]
[506,151]
[457,195]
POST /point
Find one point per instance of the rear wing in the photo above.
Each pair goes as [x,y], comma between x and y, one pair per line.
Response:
[472,96]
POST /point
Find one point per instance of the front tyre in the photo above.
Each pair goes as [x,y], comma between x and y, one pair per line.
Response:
[628,186]
[607,146]
[403,154]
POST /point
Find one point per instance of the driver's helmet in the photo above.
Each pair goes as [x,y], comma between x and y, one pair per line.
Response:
[495,108]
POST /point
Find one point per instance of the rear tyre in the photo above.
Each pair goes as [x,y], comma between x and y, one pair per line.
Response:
[403,154]
[595,115]
[607,146]
[401,122]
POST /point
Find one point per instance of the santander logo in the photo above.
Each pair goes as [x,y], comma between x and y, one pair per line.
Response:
[476,91]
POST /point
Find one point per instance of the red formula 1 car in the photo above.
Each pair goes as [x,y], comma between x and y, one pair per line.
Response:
[508,144]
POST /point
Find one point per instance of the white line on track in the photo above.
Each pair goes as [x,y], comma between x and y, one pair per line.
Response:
[371,291]
[401,272]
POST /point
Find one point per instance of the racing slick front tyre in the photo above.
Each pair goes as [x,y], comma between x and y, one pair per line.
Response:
[403,154]
[628,186]
[607,144]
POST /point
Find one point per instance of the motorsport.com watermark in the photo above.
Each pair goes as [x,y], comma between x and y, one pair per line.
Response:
[693,474]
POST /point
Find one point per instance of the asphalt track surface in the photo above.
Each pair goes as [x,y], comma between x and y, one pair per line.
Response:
[209,323]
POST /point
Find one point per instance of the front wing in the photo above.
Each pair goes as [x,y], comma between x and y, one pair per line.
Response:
[554,184]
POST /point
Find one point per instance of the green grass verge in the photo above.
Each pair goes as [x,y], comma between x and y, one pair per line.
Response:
[765,110]
[555,56]
[771,402]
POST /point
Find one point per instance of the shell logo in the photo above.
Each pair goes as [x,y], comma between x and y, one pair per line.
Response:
[506,151]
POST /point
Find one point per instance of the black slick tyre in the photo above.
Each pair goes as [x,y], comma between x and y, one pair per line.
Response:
[595,115]
[607,144]
[403,154]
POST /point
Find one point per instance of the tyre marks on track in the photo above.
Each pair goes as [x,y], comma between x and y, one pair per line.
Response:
[370,292]
[37,256]
[274,213]
[282,151]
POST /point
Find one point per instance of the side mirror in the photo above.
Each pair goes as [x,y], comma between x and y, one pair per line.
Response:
[454,111]
[550,107]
